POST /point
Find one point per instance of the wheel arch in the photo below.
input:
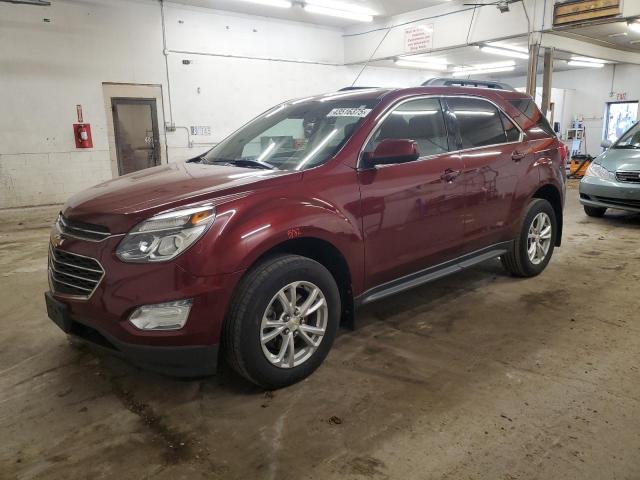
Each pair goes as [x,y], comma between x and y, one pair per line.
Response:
[551,194]
[329,256]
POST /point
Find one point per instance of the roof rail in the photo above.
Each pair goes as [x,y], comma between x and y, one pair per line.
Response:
[469,82]
[345,89]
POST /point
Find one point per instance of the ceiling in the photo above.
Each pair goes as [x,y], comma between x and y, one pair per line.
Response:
[614,34]
[385,8]
[470,56]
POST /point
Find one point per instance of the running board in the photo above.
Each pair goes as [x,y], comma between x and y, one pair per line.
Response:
[432,273]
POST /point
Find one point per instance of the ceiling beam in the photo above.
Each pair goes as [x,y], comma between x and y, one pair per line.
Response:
[588,49]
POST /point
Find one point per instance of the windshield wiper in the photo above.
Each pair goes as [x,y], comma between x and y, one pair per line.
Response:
[626,147]
[241,162]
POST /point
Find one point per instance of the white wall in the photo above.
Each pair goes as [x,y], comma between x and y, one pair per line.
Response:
[241,65]
[455,25]
[590,91]
[48,68]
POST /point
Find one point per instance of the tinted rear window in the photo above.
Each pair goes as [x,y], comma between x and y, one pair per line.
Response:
[525,105]
[479,122]
[528,107]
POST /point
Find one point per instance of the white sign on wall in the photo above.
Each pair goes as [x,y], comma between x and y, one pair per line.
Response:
[418,38]
[201,130]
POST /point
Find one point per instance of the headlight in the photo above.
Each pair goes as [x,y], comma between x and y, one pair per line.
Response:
[598,171]
[165,236]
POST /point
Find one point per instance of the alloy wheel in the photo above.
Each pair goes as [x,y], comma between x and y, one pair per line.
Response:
[294,324]
[539,238]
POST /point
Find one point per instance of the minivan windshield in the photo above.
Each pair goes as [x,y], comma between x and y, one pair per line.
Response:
[294,136]
[631,139]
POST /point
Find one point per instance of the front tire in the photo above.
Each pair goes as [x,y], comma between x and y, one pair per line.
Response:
[597,212]
[282,321]
[533,247]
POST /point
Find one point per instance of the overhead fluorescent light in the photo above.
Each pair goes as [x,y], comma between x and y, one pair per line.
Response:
[425,59]
[587,59]
[504,52]
[463,73]
[346,7]
[634,26]
[484,66]
[507,46]
[332,12]
[575,63]
[439,67]
[271,3]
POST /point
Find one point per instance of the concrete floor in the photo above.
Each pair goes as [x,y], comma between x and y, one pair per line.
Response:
[477,376]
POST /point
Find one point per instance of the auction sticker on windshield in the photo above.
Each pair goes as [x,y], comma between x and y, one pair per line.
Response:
[349,112]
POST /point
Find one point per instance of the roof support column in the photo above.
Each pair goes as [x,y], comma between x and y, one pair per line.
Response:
[546,80]
[532,70]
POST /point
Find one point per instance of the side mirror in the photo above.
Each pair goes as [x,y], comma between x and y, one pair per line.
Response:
[391,151]
[606,144]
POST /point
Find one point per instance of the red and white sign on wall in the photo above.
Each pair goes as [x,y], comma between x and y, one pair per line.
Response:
[418,38]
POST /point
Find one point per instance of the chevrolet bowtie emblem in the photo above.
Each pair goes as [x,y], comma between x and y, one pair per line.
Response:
[57,240]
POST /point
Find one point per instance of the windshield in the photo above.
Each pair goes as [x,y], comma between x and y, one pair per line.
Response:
[294,136]
[631,139]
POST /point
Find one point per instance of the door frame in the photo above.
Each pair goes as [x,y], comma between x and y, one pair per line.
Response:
[132,90]
[154,124]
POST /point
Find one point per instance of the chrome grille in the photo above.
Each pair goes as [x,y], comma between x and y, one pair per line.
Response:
[73,274]
[83,231]
[631,177]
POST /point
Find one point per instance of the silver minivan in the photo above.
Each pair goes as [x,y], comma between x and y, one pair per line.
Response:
[613,178]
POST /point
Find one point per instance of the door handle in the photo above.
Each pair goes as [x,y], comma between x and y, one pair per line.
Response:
[449,175]
[517,155]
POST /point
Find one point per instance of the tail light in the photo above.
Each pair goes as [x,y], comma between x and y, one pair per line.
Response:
[564,154]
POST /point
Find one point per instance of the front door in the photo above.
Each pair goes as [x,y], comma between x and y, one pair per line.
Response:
[135,122]
[412,212]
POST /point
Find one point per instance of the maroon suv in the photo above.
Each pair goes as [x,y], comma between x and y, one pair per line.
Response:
[261,246]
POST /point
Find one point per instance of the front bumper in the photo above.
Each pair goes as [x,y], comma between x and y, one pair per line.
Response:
[181,361]
[596,192]
[102,319]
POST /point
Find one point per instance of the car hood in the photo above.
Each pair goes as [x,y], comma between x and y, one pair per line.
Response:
[124,201]
[620,159]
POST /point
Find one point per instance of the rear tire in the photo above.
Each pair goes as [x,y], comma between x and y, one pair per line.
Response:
[533,247]
[597,212]
[273,339]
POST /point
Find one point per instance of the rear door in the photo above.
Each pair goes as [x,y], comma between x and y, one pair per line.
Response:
[494,161]
[412,212]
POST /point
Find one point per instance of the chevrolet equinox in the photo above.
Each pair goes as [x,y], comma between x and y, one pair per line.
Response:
[261,246]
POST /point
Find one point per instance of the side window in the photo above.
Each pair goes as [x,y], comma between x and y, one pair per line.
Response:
[530,110]
[525,105]
[543,124]
[420,120]
[513,134]
[478,121]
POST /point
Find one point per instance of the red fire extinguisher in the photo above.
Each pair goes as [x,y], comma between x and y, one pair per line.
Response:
[82,134]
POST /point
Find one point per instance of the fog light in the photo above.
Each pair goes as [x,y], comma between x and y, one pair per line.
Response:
[162,316]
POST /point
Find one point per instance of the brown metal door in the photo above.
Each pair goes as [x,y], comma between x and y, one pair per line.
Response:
[135,122]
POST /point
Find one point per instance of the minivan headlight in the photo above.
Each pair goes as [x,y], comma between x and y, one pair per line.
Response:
[165,236]
[598,171]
